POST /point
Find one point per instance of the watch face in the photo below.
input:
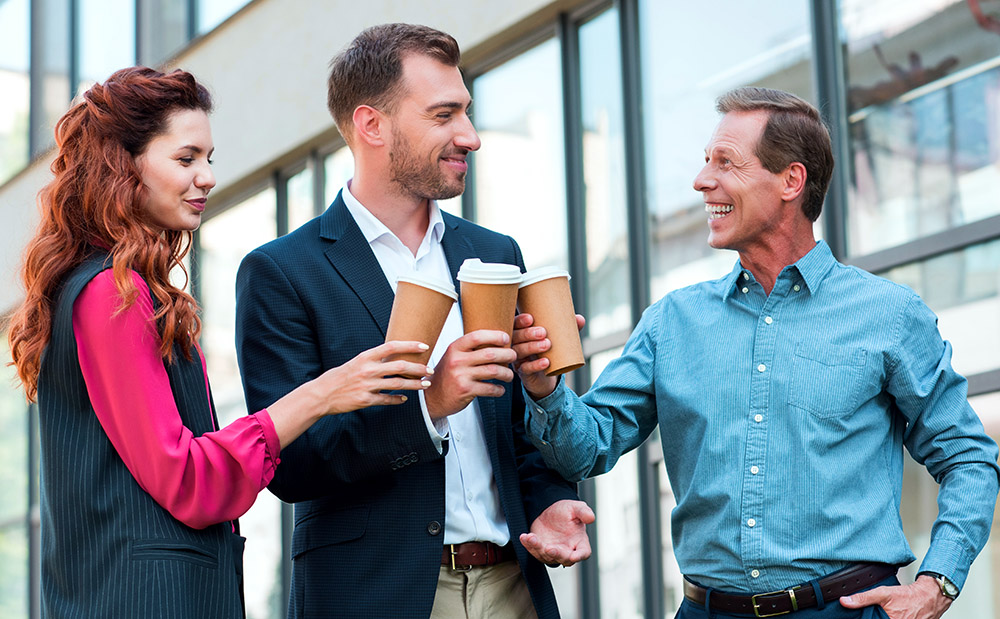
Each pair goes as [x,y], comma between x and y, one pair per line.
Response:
[947,587]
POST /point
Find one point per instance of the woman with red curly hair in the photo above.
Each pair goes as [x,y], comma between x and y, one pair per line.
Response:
[140,487]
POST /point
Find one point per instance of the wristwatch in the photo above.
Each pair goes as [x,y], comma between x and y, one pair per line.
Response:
[948,588]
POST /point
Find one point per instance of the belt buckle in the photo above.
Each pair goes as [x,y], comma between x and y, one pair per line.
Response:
[791,596]
[454,567]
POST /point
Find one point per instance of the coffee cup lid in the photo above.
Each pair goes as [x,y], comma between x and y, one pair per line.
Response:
[437,285]
[536,275]
[475,271]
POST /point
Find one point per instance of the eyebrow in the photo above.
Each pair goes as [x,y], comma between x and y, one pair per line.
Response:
[195,149]
[451,105]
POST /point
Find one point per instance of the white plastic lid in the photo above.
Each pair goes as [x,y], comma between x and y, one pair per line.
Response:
[475,271]
[437,285]
[536,275]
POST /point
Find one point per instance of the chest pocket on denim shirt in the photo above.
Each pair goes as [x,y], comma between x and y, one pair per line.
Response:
[826,380]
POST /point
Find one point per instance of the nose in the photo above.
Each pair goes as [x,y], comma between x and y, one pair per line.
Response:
[205,178]
[467,137]
[704,180]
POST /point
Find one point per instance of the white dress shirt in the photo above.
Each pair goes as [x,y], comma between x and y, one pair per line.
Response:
[472,503]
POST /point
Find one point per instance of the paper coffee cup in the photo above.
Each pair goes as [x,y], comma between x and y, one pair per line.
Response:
[545,294]
[419,312]
[489,295]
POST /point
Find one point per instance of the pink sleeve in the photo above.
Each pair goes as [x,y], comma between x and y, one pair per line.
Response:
[199,480]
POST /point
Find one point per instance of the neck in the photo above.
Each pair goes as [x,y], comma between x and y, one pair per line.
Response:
[406,216]
[767,261]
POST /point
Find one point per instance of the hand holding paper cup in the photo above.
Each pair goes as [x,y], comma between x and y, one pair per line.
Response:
[545,294]
[419,312]
[489,295]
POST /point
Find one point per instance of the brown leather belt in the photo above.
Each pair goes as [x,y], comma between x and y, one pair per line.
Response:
[463,557]
[845,582]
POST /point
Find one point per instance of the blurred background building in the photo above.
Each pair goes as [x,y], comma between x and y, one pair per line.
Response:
[594,116]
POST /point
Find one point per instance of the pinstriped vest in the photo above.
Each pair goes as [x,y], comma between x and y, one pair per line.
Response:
[108,549]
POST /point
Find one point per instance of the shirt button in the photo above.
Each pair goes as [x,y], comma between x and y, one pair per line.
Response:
[755,573]
[751,523]
[746,275]
[758,418]
[468,495]
[796,288]
[745,290]
[768,319]
[761,367]
[754,469]
[458,436]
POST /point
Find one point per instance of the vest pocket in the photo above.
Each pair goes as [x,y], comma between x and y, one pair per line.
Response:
[172,550]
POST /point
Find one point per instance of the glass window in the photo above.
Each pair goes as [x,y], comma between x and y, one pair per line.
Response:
[13,490]
[224,240]
[617,511]
[339,168]
[51,64]
[924,99]
[301,207]
[519,172]
[773,49]
[608,306]
[15,86]
[963,289]
[14,570]
[163,29]
[105,41]
[211,13]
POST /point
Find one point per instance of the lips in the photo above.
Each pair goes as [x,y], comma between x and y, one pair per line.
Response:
[197,204]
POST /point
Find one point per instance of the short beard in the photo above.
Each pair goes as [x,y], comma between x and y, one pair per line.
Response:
[423,181]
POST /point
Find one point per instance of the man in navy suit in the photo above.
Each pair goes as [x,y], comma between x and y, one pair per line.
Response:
[439,506]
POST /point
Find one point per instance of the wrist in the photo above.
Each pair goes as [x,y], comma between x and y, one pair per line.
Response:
[944,584]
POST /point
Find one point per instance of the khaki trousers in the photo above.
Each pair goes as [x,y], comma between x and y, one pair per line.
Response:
[487,592]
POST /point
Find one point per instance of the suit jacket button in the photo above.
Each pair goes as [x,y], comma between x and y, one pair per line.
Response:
[434,528]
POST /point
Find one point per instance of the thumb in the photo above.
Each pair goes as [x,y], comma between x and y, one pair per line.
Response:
[864,598]
[584,513]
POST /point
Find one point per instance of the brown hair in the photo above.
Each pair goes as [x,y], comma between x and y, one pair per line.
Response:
[794,133]
[96,201]
[370,70]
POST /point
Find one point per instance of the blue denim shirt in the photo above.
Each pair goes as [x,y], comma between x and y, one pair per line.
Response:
[783,419]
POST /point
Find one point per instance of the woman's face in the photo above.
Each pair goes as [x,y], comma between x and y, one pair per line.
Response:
[176,171]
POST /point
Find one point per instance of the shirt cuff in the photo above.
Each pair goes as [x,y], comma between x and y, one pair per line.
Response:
[271,441]
[948,558]
[439,430]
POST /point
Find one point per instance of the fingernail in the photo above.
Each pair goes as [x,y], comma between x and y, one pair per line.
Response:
[425,383]
[430,370]
[424,346]
[402,398]
[847,599]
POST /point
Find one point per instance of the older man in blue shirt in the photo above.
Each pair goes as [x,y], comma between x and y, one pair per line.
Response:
[785,392]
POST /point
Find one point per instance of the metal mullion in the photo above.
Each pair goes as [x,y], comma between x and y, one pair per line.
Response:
[984,382]
[831,94]
[930,246]
[319,182]
[192,20]
[635,170]
[569,48]
[281,203]
[73,67]
[33,518]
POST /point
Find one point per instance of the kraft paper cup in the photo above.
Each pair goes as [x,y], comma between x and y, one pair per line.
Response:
[489,295]
[545,294]
[419,312]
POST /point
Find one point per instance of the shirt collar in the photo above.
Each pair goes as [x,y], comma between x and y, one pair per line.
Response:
[373,229]
[812,267]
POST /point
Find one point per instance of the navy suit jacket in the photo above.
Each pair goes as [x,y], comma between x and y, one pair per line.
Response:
[369,486]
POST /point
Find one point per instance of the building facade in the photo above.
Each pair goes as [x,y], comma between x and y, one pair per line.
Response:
[594,116]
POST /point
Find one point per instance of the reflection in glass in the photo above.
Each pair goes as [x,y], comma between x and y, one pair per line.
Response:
[963,288]
[14,569]
[224,240]
[679,92]
[300,199]
[163,29]
[15,86]
[211,13]
[339,168]
[519,176]
[13,490]
[52,62]
[608,307]
[617,510]
[105,40]
[924,86]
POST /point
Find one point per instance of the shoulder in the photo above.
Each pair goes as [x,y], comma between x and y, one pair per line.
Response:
[102,292]
[860,283]
[482,238]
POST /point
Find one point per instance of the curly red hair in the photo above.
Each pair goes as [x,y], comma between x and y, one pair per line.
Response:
[96,202]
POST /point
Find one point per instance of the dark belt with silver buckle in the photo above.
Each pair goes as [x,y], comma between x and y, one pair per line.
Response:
[463,557]
[844,582]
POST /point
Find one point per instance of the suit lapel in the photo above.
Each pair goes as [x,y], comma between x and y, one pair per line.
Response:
[352,257]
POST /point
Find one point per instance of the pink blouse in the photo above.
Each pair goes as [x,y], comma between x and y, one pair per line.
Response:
[200,480]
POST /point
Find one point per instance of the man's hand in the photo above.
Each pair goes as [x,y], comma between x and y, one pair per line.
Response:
[529,343]
[920,600]
[559,534]
[460,375]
